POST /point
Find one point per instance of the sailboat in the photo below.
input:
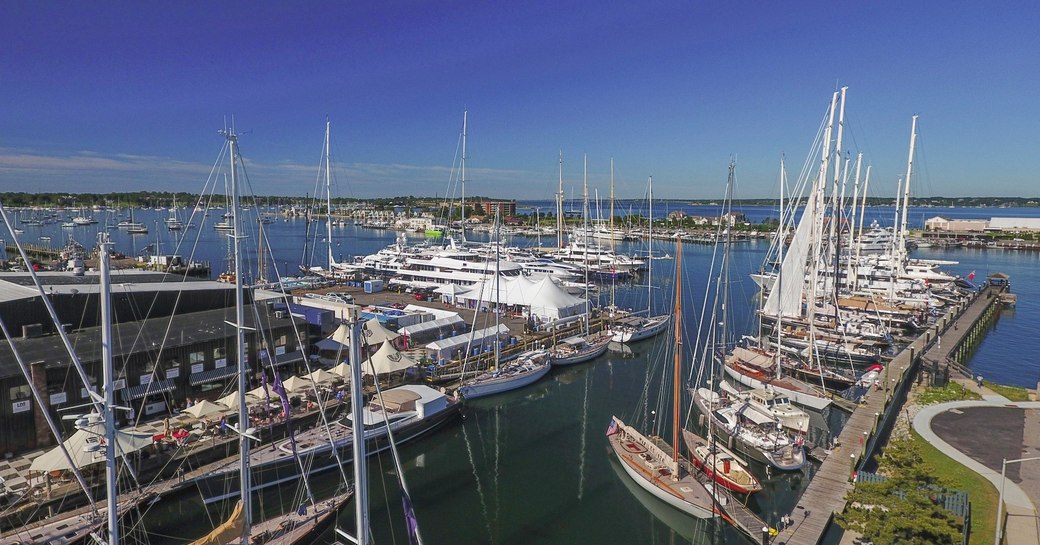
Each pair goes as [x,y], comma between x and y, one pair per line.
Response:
[292,528]
[173,223]
[631,328]
[527,368]
[743,428]
[334,270]
[654,464]
[582,348]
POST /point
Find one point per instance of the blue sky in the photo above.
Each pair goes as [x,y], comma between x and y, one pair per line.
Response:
[123,96]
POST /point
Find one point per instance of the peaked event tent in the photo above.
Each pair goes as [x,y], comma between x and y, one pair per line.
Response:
[387,360]
[204,408]
[541,298]
[54,459]
[373,333]
[343,370]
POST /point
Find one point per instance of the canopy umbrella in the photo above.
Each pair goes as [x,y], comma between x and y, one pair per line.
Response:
[231,400]
[89,438]
[259,393]
[204,408]
[373,333]
[320,376]
[387,360]
[342,370]
[296,384]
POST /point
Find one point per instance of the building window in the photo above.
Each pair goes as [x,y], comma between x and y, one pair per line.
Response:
[197,357]
[20,392]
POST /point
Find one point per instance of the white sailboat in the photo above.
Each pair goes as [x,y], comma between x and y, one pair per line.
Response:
[631,328]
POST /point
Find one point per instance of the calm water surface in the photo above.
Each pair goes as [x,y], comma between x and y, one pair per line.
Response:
[533,466]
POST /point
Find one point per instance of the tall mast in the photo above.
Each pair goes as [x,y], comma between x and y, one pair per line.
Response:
[108,376]
[612,204]
[243,371]
[559,208]
[357,405]
[779,271]
[906,193]
[650,245]
[862,213]
[465,117]
[328,191]
[853,256]
[677,364]
[585,213]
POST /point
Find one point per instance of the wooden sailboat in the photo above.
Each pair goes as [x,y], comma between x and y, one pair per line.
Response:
[653,463]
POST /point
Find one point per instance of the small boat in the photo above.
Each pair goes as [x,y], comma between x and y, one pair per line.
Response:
[753,434]
[721,464]
[526,369]
[772,403]
[636,328]
[579,349]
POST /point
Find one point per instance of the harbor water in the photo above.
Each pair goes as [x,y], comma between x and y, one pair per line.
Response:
[532,466]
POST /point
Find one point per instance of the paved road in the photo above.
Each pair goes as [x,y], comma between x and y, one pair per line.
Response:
[979,435]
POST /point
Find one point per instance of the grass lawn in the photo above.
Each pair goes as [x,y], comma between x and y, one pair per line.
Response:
[954,391]
[981,493]
[1014,393]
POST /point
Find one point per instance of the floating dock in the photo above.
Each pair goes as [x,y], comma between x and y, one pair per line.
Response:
[951,334]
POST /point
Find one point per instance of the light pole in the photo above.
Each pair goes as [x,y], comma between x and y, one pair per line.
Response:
[1000,502]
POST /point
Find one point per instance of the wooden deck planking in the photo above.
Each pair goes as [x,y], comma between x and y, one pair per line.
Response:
[832,482]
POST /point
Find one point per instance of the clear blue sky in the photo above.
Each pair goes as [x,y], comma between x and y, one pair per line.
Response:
[104,96]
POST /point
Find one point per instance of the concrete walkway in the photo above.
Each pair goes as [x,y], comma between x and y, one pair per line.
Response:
[1023,525]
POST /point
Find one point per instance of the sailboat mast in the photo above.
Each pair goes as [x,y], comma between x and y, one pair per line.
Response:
[108,377]
[677,364]
[585,213]
[906,193]
[328,192]
[465,118]
[779,271]
[650,245]
[559,207]
[612,245]
[240,338]
[357,404]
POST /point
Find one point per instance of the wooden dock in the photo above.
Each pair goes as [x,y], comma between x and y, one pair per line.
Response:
[858,440]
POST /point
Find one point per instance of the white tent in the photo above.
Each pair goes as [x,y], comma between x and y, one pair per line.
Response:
[296,384]
[479,339]
[231,400]
[342,370]
[373,333]
[542,298]
[78,443]
[204,408]
[450,292]
[320,376]
[387,360]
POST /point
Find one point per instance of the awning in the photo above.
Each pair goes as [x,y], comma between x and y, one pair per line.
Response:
[291,357]
[153,387]
[212,375]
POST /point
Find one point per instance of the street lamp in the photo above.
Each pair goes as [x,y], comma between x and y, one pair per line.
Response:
[1000,502]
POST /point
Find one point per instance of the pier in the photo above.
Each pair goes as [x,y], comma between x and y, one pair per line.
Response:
[953,335]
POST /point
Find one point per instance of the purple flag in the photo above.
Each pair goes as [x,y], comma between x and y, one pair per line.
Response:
[279,389]
[409,518]
[267,403]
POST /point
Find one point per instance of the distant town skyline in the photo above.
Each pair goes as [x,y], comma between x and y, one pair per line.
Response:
[114,96]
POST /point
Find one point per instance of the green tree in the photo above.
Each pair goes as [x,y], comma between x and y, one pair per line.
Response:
[903,508]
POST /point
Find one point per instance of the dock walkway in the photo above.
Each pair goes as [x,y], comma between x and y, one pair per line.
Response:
[829,486]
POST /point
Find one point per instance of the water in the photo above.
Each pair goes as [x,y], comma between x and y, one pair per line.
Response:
[533,466]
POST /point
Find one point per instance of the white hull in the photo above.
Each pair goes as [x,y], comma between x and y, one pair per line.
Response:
[654,326]
[505,384]
[800,398]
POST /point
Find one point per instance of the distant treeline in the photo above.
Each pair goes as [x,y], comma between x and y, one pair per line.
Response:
[166,199]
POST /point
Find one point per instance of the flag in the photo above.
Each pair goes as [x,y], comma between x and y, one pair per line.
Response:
[267,402]
[971,275]
[279,389]
[410,521]
[612,429]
